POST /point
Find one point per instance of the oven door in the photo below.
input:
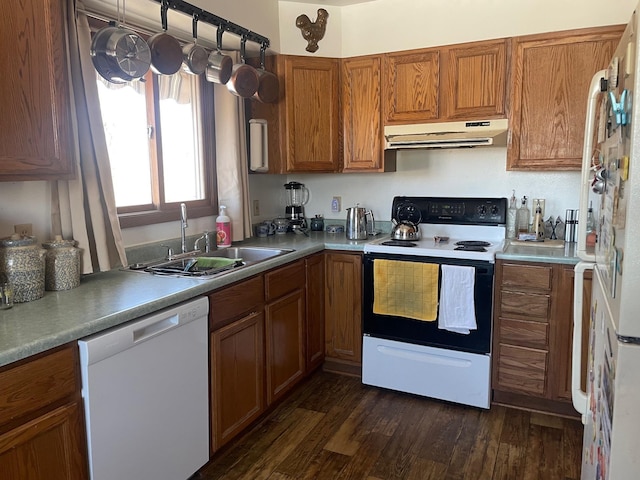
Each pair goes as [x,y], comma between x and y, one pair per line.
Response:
[420,332]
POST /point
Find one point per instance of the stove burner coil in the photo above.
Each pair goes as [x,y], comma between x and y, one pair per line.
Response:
[471,248]
[398,243]
[473,243]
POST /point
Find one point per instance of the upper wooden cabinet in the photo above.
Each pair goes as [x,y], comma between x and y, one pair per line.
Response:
[550,81]
[459,82]
[411,86]
[304,126]
[35,125]
[474,80]
[362,115]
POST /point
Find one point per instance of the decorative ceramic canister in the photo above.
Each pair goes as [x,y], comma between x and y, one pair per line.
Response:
[22,260]
[62,264]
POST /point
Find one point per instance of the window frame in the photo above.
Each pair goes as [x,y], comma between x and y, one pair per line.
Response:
[160,211]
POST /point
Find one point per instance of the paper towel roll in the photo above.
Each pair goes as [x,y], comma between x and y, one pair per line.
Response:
[259,157]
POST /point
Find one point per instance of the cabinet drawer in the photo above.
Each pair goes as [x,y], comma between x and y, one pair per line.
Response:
[284,280]
[519,332]
[522,369]
[37,383]
[527,276]
[232,302]
[527,305]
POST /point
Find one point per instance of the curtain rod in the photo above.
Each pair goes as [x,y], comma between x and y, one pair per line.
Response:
[215,20]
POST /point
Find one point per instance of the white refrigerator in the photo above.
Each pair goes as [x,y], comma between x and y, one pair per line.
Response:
[610,407]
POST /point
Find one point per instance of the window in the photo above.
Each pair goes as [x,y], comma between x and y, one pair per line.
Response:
[159,133]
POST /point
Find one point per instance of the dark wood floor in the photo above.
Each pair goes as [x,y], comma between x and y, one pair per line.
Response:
[333,427]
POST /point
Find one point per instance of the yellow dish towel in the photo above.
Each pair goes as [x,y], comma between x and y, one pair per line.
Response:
[405,289]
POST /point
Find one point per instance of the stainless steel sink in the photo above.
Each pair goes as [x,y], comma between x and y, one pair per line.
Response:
[197,264]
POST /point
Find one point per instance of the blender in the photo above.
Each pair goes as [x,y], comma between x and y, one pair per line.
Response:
[296,195]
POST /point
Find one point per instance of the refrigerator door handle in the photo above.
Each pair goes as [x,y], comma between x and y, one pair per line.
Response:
[578,395]
[587,174]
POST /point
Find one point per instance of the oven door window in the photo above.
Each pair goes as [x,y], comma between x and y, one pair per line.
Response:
[410,330]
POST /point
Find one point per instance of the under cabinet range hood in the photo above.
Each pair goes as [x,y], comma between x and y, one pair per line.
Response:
[488,133]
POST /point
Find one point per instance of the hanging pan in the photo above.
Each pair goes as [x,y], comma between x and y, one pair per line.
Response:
[244,79]
[268,87]
[194,56]
[166,54]
[118,53]
[219,65]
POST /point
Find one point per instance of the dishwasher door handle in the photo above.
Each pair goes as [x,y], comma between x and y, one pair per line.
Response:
[161,325]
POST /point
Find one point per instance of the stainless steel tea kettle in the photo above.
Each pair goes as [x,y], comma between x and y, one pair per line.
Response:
[356,227]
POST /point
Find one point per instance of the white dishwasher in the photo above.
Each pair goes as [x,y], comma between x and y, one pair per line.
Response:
[145,391]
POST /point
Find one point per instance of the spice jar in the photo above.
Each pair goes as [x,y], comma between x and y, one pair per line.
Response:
[22,261]
[62,264]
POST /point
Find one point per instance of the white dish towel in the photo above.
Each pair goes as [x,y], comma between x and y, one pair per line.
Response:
[457,313]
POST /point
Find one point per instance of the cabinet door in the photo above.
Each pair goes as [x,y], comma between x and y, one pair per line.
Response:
[411,86]
[46,448]
[343,315]
[285,340]
[312,92]
[237,377]
[35,123]
[551,74]
[361,114]
[474,81]
[563,332]
[315,311]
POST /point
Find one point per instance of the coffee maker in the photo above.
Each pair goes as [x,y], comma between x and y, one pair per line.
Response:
[296,196]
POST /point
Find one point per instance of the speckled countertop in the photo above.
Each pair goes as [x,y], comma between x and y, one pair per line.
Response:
[533,253]
[107,299]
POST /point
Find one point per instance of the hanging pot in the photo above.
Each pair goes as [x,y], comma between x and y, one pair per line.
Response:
[219,65]
[268,85]
[244,81]
[194,56]
[120,55]
[166,53]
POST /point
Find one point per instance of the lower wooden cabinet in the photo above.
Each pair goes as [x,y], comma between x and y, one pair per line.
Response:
[533,325]
[343,307]
[41,421]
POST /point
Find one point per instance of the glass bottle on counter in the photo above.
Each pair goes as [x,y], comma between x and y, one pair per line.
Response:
[523,217]
[591,227]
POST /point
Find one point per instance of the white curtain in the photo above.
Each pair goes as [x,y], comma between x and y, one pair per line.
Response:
[85,208]
[231,160]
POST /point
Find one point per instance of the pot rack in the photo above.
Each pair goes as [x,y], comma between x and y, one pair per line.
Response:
[212,19]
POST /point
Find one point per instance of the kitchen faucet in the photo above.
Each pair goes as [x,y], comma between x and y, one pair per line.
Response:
[183,227]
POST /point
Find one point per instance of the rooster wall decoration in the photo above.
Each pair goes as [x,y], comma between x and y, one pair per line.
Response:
[313,32]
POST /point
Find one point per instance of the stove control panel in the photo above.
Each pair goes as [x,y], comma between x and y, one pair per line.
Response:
[451,210]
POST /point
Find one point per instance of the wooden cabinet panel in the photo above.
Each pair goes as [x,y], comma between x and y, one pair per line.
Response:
[34,384]
[45,448]
[285,340]
[551,74]
[284,280]
[312,89]
[522,369]
[36,141]
[315,311]
[235,301]
[343,315]
[526,305]
[411,86]
[237,377]
[362,115]
[474,80]
[519,332]
[527,276]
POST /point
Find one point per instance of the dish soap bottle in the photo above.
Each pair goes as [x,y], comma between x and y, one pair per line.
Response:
[523,217]
[512,213]
[223,228]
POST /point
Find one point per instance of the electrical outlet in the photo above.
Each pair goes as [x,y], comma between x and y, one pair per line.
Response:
[336,204]
[24,229]
[535,204]
[256,208]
